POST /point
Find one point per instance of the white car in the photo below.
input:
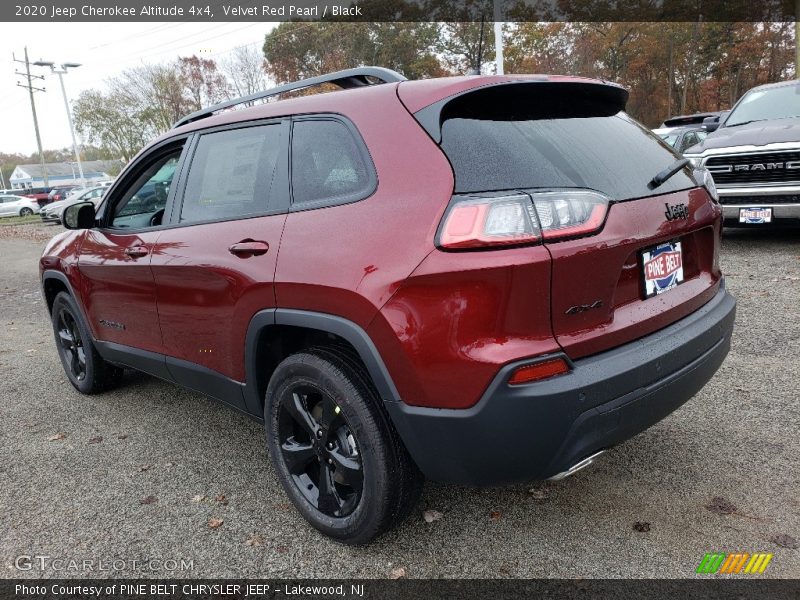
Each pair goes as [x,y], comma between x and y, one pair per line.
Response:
[53,211]
[17,206]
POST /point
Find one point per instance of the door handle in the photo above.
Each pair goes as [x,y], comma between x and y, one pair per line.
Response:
[136,251]
[247,248]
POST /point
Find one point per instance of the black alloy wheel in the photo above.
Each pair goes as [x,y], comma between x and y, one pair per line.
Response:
[319,450]
[71,344]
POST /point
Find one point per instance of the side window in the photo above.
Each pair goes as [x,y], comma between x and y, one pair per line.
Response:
[231,173]
[143,203]
[328,164]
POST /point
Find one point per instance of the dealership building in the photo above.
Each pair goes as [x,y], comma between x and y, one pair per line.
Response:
[63,173]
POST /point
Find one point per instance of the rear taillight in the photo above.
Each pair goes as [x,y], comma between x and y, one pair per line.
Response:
[521,218]
[538,371]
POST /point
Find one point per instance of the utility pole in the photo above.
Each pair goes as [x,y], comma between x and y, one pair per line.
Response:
[498,37]
[30,87]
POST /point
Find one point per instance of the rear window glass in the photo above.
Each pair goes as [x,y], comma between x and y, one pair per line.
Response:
[611,154]
[328,164]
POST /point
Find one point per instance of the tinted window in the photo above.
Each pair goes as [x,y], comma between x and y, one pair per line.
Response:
[232,173]
[610,154]
[143,203]
[328,164]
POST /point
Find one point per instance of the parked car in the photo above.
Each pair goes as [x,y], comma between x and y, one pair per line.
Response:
[53,212]
[17,206]
[60,193]
[40,194]
[689,120]
[754,156]
[479,280]
[682,138]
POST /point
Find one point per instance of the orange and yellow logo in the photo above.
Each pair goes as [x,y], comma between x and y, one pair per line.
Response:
[736,562]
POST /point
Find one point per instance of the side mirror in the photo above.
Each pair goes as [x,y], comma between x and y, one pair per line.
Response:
[79,216]
[711,124]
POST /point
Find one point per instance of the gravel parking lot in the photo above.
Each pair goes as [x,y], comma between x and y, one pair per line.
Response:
[140,473]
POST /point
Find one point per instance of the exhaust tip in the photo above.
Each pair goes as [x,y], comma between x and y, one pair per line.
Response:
[582,464]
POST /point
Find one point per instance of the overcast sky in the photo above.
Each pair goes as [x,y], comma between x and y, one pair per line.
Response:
[103,49]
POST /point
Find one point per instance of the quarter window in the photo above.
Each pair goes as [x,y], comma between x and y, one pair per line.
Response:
[329,166]
[231,174]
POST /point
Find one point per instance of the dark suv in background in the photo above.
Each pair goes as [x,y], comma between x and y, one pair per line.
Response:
[481,280]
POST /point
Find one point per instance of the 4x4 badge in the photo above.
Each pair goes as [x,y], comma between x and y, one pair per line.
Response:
[676,211]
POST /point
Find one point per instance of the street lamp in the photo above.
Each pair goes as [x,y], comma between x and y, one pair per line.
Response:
[61,71]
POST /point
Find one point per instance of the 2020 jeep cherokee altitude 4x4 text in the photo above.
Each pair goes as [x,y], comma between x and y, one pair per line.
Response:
[481,280]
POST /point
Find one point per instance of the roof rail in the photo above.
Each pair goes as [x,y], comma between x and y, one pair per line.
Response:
[349,78]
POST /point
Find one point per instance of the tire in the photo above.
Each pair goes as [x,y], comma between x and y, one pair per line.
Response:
[25,212]
[327,432]
[84,367]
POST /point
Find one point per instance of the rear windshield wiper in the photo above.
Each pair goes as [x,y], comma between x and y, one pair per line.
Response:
[664,175]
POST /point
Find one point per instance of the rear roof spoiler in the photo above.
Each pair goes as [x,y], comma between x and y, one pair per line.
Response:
[349,78]
[525,99]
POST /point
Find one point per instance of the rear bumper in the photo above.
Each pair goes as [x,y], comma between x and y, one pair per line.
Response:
[540,430]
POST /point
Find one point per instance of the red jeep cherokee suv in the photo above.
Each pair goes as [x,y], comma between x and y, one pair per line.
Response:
[480,280]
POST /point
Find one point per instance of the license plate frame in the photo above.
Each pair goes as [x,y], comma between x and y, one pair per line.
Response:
[670,264]
[755,215]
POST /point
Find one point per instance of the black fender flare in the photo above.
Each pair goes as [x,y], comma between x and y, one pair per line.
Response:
[59,276]
[343,328]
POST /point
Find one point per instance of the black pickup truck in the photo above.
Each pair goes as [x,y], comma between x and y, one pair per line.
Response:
[754,156]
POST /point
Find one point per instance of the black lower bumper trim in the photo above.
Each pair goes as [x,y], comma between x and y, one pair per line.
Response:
[524,433]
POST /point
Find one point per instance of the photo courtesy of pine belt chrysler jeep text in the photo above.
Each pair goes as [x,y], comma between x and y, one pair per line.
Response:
[479,280]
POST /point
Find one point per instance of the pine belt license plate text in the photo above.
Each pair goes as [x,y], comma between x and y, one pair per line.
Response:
[755,215]
[662,268]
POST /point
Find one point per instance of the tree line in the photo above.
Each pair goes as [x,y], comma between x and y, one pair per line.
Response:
[670,68]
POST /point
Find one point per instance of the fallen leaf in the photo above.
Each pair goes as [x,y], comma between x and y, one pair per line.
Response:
[784,541]
[721,506]
[96,440]
[221,499]
[431,515]
[282,549]
[169,465]
[504,570]
[539,493]
[148,500]
[198,498]
[641,526]
[397,573]
[254,540]
[122,436]
[56,437]
[495,514]
[143,468]
[215,523]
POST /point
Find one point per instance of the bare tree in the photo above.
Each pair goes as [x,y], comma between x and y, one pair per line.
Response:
[244,69]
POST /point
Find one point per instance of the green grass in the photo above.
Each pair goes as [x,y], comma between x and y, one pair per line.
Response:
[20,220]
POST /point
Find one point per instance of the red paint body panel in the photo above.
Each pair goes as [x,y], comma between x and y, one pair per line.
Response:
[462,315]
[120,289]
[348,260]
[605,267]
[206,296]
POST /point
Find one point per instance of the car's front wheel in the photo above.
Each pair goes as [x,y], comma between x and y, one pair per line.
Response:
[25,212]
[334,449]
[85,368]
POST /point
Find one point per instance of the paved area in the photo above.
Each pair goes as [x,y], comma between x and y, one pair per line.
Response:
[136,475]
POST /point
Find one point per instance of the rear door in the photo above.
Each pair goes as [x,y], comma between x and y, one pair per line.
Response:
[214,269]
[651,257]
